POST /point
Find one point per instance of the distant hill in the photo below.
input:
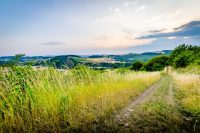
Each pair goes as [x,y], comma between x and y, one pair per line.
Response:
[132,57]
[63,61]
[70,61]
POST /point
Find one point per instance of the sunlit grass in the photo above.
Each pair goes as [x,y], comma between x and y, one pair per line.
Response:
[49,100]
[157,114]
[189,92]
[192,69]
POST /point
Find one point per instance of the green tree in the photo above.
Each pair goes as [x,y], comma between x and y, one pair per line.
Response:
[136,66]
[183,59]
[15,61]
[157,63]
[184,55]
[177,51]
[17,58]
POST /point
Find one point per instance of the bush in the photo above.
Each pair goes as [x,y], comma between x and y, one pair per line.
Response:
[157,63]
[136,66]
[182,60]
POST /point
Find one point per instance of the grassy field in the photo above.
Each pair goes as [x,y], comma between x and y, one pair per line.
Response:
[192,69]
[188,96]
[52,101]
[100,60]
[173,107]
[87,100]
[158,114]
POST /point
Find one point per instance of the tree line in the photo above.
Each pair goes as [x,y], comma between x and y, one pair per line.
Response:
[182,56]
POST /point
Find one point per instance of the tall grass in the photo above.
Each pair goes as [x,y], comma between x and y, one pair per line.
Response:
[157,114]
[188,93]
[52,101]
[192,69]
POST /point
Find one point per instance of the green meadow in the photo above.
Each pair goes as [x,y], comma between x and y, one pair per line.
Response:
[49,100]
[161,95]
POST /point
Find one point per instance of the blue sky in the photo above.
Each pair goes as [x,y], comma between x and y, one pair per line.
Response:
[55,27]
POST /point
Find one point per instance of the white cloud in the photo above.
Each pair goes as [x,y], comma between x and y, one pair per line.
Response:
[174,14]
[140,8]
[173,37]
[77,25]
[186,37]
[117,41]
[117,9]
[128,3]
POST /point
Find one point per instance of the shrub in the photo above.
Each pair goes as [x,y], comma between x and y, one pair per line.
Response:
[182,60]
[157,63]
[136,66]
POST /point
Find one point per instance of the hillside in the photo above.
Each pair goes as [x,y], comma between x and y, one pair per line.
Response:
[154,98]
[96,61]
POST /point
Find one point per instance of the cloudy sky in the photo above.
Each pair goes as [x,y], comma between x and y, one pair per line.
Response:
[55,27]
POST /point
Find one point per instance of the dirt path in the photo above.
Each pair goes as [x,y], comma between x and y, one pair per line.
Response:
[144,97]
[156,110]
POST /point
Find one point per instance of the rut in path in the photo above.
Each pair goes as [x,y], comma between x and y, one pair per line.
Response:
[170,96]
[139,100]
[155,110]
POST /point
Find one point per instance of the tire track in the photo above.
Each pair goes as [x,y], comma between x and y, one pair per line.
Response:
[170,97]
[144,97]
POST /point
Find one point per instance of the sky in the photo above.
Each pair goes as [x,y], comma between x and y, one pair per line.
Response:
[83,27]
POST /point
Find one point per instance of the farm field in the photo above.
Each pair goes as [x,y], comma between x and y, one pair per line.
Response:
[86,100]
[99,60]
